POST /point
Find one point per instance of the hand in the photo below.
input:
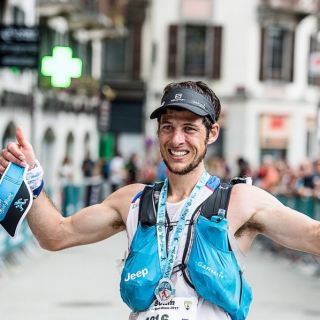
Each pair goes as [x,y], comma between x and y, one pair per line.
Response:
[20,152]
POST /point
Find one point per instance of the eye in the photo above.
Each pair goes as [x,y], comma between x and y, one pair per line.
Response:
[166,127]
[189,129]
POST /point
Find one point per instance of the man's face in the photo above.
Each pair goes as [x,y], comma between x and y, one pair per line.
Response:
[183,140]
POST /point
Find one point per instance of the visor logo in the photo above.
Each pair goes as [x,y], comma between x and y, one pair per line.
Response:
[178,96]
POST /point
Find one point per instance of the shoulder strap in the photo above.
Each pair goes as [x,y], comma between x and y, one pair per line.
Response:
[217,203]
[149,204]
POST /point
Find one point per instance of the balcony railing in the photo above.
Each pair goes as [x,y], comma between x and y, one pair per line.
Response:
[58,7]
[299,6]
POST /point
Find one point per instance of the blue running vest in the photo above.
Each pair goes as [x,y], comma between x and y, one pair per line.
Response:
[209,264]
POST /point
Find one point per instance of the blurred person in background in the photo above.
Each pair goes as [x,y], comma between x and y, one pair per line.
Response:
[287,179]
[87,166]
[148,172]
[316,166]
[65,171]
[200,276]
[117,172]
[267,175]
[244,169]
[218,166]
[305,184]
[132,168]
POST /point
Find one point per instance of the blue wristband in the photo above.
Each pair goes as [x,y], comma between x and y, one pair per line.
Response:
[37,191]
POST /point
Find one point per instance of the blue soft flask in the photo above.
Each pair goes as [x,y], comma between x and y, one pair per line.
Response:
[214,270]
[141,272]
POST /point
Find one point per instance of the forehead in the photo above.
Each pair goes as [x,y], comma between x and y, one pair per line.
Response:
[180,116]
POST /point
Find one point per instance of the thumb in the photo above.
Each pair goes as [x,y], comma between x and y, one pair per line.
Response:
[21,139]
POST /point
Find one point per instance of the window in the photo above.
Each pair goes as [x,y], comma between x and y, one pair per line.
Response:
[18,16]
[314,47]
[46,40]
[83,50]
[115,62]
[2,10]
[90,5]
[194,50]
[277,53]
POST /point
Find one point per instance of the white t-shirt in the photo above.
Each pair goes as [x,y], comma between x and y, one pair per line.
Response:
[206,310]
[117,170]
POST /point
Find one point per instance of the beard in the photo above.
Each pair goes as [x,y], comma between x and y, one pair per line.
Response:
[188,168]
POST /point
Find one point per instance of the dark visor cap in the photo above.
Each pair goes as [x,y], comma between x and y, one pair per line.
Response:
[188,99]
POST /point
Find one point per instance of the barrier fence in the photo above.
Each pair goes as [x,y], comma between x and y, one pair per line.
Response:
[307,205]
[77,196]
[74,198]
[9,245]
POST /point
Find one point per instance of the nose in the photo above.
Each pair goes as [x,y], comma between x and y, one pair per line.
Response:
[178,137]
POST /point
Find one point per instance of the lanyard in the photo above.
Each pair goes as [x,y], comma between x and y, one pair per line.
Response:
[167,261]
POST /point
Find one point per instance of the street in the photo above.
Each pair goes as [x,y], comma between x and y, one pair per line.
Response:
[82,284]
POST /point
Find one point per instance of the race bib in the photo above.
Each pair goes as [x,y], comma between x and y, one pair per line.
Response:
[177,309]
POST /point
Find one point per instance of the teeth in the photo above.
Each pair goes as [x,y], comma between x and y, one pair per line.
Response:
[179,153]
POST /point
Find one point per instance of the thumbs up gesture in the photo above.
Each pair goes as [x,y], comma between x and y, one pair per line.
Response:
[20,152]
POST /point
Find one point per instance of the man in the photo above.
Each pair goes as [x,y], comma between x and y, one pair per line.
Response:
[163,276]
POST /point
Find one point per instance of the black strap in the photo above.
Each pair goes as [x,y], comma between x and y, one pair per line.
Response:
[217,203]
[149,204]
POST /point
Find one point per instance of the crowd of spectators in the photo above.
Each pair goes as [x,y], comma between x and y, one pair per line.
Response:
[275,175]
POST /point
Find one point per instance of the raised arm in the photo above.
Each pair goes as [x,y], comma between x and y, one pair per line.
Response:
[91,224]
[256,211]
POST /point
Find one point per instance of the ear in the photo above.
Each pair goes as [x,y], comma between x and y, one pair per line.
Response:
[214,133]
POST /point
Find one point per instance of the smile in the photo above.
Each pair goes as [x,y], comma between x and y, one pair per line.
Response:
[178,153]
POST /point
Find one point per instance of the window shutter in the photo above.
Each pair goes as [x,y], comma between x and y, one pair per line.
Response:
[262,53]
[172,51]
[217,49]
[313,80]
[136,59]
[311,48]
[292,40]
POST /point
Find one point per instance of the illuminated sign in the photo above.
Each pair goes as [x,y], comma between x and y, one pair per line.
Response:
[61,67]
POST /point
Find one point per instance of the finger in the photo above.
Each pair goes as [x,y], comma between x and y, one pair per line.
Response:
[15,150]
[3,162]
[21,139]
[8,156]
[2,169]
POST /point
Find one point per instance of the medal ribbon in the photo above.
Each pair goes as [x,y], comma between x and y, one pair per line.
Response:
[167,261]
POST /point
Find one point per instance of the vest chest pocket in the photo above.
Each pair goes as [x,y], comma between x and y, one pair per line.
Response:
[141,272]
[213,269]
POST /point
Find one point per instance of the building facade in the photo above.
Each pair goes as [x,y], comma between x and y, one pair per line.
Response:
[255,55]
[61,123]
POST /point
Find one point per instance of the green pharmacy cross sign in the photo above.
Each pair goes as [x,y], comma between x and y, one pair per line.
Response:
[61,67]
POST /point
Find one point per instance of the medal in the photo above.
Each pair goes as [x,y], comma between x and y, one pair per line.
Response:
[165,291]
